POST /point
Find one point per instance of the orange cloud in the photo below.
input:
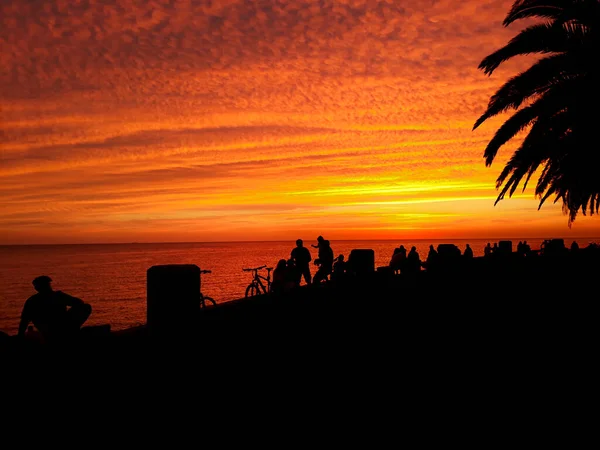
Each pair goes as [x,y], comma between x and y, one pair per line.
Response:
[229,120]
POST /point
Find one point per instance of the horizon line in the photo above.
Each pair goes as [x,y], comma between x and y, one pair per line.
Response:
[286,240]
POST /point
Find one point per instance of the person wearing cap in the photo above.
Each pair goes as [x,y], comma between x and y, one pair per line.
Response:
[55,314]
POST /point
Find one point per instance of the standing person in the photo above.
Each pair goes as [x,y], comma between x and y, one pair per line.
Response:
[55,314]
[301,257]
[398,261]
[413,261]
[324,261]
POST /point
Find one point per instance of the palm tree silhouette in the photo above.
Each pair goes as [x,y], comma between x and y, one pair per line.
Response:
[557,99]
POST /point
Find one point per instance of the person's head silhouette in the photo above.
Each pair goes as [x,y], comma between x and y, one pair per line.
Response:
[298,242]
[281,264]
[320,239]
[42,284]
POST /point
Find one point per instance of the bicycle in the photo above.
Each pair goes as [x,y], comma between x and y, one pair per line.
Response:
[204,299]
[256,285]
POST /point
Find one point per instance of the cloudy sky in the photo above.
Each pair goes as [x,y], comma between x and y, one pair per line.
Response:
[221,120]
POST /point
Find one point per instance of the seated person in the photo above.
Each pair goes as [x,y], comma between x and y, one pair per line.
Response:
[280,277]
[292,276]
[339,267]
[56,315]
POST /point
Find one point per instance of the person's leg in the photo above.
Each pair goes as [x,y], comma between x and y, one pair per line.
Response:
[78,314]
[306,273]
[318,276]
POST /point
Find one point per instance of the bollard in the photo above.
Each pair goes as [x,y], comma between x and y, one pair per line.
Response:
[172,298]
[362,261]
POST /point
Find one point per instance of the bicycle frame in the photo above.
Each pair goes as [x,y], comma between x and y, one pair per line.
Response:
[257,280]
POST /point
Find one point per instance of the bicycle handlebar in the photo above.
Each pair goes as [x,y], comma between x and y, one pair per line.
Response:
[205,271]
[256,268]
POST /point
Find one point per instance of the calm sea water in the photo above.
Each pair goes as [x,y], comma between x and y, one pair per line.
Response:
[112,277]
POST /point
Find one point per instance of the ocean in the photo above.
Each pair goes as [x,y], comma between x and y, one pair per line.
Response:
[112,277]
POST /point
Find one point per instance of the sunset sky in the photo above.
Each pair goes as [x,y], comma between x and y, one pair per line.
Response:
[222,120]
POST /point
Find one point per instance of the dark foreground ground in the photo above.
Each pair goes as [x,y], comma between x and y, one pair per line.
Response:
[476,305]
[486,353]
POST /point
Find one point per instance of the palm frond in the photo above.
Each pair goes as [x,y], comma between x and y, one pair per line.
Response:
[557,98]
[536,148]
[540,77]
[547,105]
[541,38]
[521,9]
[583,11]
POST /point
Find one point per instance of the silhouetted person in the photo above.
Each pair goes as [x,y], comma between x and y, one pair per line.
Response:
[301,257]
[320,240]
[279,277]
[526,248]
[324,261]
[574,246]
[432,258]
[56,315]
[468,254]
[398,261]
[292,275]
[495,249]
[487,251]
[339,267]
[413,261]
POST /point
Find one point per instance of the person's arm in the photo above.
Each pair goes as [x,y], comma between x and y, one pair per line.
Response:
[25,319]
[69,299]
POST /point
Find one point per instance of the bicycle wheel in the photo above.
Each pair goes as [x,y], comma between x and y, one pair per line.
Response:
[207,301]
[252,290]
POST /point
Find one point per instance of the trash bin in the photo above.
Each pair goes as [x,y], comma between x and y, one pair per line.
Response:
[361,261]
[172,297]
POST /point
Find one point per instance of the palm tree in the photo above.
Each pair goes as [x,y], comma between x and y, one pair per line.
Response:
[556,100]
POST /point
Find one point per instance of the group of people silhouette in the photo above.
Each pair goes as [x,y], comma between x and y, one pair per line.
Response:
[403,262]
[288,273]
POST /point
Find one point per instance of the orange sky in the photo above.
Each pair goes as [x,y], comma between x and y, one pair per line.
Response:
[254,120]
